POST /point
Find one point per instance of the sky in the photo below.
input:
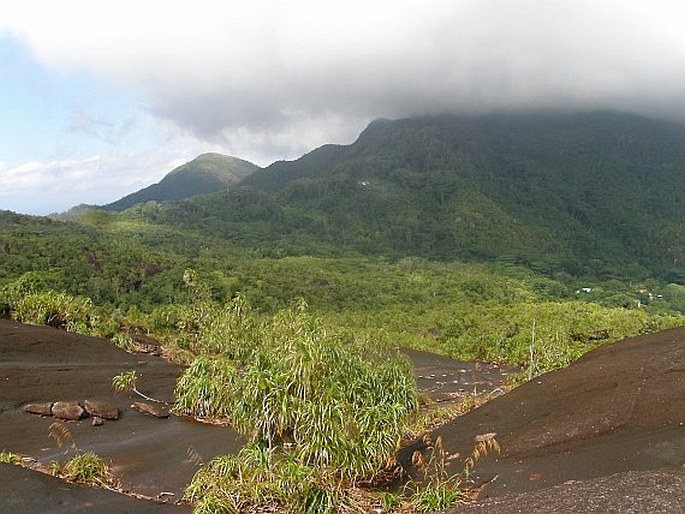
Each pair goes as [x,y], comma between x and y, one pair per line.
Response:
[100,99]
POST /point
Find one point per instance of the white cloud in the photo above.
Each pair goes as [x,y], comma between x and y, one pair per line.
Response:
[260,68]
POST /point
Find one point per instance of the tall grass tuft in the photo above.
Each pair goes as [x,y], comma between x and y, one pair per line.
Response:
[326,406]
[10,458]
[88,468]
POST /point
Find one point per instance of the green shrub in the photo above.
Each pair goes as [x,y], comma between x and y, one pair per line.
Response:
[56,309]
[438,496]
[327,405]
[289,379]
[125,342]
[207,388]
[259,476]
[560,331]
[10,458]
[87,468]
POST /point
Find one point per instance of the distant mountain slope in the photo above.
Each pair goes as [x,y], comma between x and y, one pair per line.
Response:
[205,174]
[593,192]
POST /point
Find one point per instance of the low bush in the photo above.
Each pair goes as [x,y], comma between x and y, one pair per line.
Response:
[27,303]
[87,468]
[10,458]
[560,332]
[261,476]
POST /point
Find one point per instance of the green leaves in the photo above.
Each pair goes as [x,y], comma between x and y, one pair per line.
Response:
[125,381]
[290,379]
[260,476]
[319,406]
[563,331]
[10,458]
[88,468]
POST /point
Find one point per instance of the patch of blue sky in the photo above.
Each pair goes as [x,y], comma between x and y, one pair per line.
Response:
[49,115]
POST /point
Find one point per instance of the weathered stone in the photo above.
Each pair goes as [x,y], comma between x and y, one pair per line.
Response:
[101,409]
[67,410]
[157,410]
[98,421]
[44,409]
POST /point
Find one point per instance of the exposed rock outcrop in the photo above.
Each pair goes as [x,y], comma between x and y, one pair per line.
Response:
[71,410]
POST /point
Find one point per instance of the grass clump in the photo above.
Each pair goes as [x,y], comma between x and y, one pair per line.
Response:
[125,342]
[438,496]
[261,476]
[435,489]
[86,468]
[60,310]
[320,407]
[10,458]
[128,381]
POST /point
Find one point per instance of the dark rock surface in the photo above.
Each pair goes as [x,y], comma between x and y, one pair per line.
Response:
[148,457]
[653,492]
[443,379]
[617,412]
[23,491]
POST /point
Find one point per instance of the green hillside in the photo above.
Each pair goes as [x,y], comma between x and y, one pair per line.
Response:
[205,174]
[597,194]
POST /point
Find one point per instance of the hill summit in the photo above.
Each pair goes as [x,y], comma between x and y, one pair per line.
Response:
[206,173]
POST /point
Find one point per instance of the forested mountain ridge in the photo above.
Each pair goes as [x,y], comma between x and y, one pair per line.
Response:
[597,193]
[205,174]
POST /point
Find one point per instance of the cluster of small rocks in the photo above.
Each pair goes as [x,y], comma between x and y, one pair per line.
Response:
[98,410]
[71,410]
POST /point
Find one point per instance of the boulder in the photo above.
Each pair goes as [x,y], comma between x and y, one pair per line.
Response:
[157,410]
[44,409]
[98,421]
[100,409]
[67,410]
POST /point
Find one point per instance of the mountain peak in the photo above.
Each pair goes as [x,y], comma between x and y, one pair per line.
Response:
[207,173]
